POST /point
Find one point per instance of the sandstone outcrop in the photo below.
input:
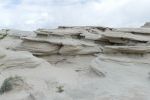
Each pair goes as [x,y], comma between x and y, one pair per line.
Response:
[84,63]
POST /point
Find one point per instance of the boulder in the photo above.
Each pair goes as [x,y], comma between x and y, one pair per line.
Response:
[146,25]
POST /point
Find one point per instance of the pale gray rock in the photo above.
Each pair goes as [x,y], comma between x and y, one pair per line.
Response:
[125,36]
[10,59]
[77,50]
[59,32]
[122,77]
[55,44]
[130,49]
[10,42]
[146,25]
[77,63]
[143,31]
[19,33]
[38,48]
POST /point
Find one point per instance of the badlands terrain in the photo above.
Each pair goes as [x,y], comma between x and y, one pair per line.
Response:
[75,63]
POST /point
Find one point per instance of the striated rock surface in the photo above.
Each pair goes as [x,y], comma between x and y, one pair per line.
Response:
[65,41]
[77,63]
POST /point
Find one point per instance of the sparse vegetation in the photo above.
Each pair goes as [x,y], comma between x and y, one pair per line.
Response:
[9,84]
[60,89]
[2,35]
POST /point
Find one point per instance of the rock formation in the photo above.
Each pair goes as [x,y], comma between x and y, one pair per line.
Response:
[146,25]
[77,63]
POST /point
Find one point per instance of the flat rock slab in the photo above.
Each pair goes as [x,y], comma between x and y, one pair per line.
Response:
[128,36]
[123,81]
[144,31]
[130,49]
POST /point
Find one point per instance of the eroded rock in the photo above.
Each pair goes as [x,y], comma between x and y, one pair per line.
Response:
[77,63]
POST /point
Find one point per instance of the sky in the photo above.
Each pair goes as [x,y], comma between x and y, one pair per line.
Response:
[33,14]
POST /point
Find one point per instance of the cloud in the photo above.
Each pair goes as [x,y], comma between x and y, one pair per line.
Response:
[33,14]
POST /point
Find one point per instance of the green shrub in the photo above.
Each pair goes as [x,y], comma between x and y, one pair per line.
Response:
[60,89]
[2,36]
[9,83]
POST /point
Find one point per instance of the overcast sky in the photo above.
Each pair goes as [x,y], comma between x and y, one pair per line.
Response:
[32,14]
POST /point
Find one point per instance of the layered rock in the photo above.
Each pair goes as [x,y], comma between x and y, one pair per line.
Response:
[65,41]
[77,63]
[78,40]
[22,59]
